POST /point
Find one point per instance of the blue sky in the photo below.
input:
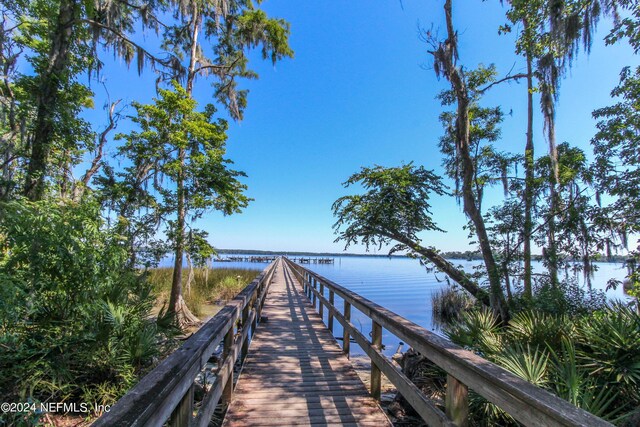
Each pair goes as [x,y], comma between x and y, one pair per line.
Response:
[360,91]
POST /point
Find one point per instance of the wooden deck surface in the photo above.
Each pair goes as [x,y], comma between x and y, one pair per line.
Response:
[295,373]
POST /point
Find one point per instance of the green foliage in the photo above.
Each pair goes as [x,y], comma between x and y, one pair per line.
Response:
[539,329]
[567,297]
[396,203]
[490,165]
[617,152]
[576,385]
[477,329]
[626,27]
[609,347]
[527,362]
[227,35]
[590,359]
[166,128]
[76,319]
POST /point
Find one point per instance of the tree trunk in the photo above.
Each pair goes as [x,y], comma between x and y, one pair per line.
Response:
[79,188]
[446,267]
[551,252]
[529,179]
[455,77]
[47,101]
[507,281]
[193,57]
[177,306]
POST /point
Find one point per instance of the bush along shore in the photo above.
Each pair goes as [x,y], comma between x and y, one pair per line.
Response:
[77,322]
[574,344]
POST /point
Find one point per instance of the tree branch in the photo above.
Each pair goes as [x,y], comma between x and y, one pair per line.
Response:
[164,62]
[443,265]
[78,190]
[502,80]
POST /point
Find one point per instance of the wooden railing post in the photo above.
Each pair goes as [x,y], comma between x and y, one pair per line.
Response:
[320,306]
[259,302]
[376,342]
[457,401]
[245,344]
[305,283]
[254,304]
[182,415]
[313,281]
[227,393]
[331,301]
[346,339]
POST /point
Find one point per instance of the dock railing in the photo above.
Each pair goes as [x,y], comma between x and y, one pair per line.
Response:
[166,393]
[528,404]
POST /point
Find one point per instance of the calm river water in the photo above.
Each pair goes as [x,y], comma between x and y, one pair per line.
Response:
[403,286]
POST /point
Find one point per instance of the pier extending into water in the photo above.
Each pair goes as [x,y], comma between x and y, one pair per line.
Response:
[280,365]
[272,258]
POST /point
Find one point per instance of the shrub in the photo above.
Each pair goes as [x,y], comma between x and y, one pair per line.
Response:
[74,319]
[592,360]
[608,346]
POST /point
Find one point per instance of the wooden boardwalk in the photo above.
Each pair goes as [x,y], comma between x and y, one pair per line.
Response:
[295,373]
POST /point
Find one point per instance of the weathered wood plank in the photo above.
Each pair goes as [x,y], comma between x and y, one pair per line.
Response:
[297,402]
[290,419]
[457,401]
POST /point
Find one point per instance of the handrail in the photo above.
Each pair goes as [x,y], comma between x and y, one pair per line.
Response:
[528,404]
[167,391]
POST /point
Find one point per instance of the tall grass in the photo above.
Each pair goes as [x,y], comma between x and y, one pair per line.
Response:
[449,304]
[208,286]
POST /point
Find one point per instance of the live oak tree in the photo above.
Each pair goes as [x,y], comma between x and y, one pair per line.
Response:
[394,209]
[183,152]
